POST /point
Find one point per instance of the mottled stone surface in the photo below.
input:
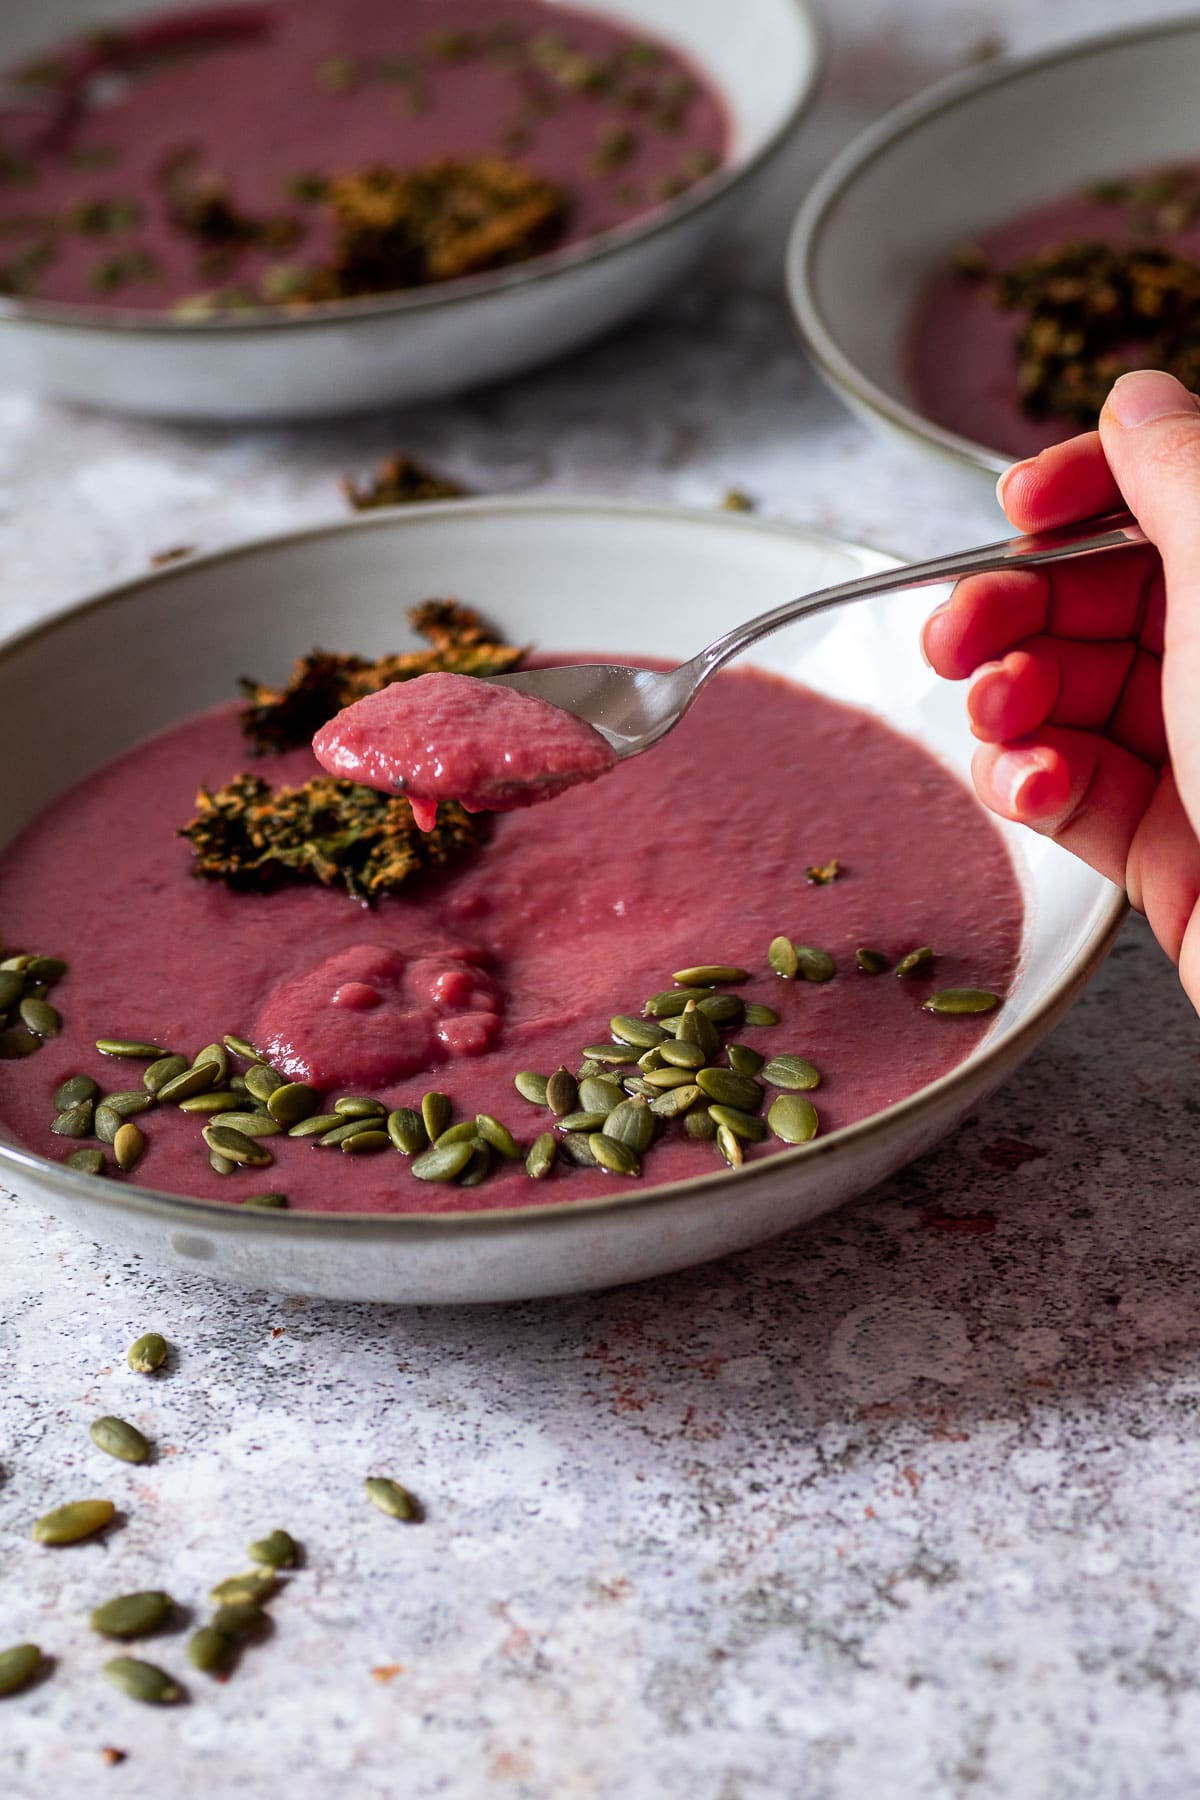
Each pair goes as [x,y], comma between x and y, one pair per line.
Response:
[902,1504]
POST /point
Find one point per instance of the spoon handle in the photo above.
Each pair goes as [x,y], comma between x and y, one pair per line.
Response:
[1114,531]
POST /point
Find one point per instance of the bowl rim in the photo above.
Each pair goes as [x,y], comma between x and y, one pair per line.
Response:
[442,296]
[414,1227]
[833,363]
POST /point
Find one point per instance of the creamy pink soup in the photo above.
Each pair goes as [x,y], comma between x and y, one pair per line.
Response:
[270,95]
[516,959]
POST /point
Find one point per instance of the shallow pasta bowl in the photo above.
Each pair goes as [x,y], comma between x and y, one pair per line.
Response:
[942,169]
[427,343]
[146,654]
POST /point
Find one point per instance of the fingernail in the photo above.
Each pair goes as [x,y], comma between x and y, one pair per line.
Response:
[936,613]
[1006,475]
[1146,395]
[1025,785]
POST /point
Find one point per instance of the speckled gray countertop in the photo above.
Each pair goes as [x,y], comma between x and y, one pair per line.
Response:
[907,1503]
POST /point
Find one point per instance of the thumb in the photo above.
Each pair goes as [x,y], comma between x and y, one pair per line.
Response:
[1150,430]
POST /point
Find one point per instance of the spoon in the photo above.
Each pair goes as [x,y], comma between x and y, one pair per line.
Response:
[633,708]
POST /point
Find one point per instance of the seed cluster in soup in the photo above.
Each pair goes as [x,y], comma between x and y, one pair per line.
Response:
[784,852]
[1016,342]
[229,158]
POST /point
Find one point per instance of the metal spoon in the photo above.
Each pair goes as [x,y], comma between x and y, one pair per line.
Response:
[633,708]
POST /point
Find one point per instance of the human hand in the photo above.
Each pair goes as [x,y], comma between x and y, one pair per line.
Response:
[1086,676]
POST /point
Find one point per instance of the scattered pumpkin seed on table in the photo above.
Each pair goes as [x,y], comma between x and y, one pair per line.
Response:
[143,1681]
[132,1615]
[117,1437]
[391,1498]
[252,1585]
[18,1666]
[210,1651]
[147,1353]
[278,1550]
[71,1523]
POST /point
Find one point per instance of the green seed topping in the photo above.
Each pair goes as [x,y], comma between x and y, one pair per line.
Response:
[576,1146]
[40,1017]
[917,962]
[498,1136]
[165,1069]
[197,1079]
[128,1047]
[132,1615]
[659,1081]
[18,1666]
[531,1086]
[445,1163]
[615,1157]
[128,1144]
[670,1004]
[961,1000]
[12,986]
[46,968]
[711,975]
[642,1033]
[14,1044]
[465,1132]
[618,1055]
[562,1094]
[730,1146]
[793,1119]
[71,1523]
[148,1353]
[436,1111]
[722,1009]
[406,1129]
[76,1122]
[117,1437]
[143,1681]
[743,1060]
[782,957]
[317,1126]
[654,1059]
[292,1102]
[696,1027]
[88,1162]
[75,1091]
[209,1105]
[631,1123]
[266,1202]
[366,1143]
[262,1080]
[582,1121]
[871,962]
[791,1072]
[213,1053]
[278,1550]
[728,1089]
[674,1103]
[236,1147]
[210,1650]
[479,1167]
[130,1103]
[106,1123]
[815,965]
[359,1106]
[241,1047]
[540,1159]
[391,1498]
[700,1124]
[681,1056]
[220,1165]
[745,1125]
[251,1125]
[597,1094]
[253,1586]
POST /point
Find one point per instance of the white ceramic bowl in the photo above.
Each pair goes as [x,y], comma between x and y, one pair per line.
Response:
[142,656]
[945,167]
[423,345]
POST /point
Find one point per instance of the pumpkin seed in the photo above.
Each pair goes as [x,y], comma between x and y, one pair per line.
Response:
[71,1523]
[132,1615]
[540,1159]
[406,1129]
[197,1079]
[917,962]
[498,1136]
[213,1053]
[108,1046]
[366,1143]
[531,1086]
[436,1112]
[40,1017]
[589,1066]
[117,1437]
[88,1162]
[653,1059]
[209,1105]
[582,1121]
[278,1550]
[252,1585]
[728,1089]
[743,1124]
[632,1124]
[106,1123]
[235,1147]
[314,1127]
[46,968]
[165,1069]
[266,1202]
[128,1144]
[262,1080]
[130,1103]
[241,1047]
[660,1080]
[614,1156]
[619,1055]
[462,1133]
[18,1666]
[815,965]
[17,963]
[75,1091]
[730,1147]
[12,986]
[596,1094]
[640,1084]
[345,1128]
[359,1106]
[444,1163]
[642,1033]
[479,1167]
[577,1148]
[696,1027]
[147,1353]
[391,1498]
[220,1165]
[961,1000]
[76,1122]
[292,1102]
[674,1103]
[793,1118]
[791,1072]
[143,1681]
[670,1004]
[722,1009]
[209,1650]
[15,1044]
[711,975]
[782,957]
[682,1056]
[700,1124]
[871,962]
[562,1094]
[251,1125]
[743,1060]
